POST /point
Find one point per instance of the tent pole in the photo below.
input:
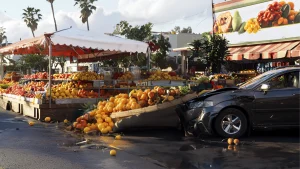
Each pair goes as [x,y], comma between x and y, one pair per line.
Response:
[149,58]
[50,68]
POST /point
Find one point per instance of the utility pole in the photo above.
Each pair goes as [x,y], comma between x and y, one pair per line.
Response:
[213,16]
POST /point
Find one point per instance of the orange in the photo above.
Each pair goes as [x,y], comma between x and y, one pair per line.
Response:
[86,129]
[99,120]
[113,152]
[282,3]
[93,127]
[292,17]
[105,124]
[292,5]
[74,124]
[111,99]
[104,131]
[66,121]
[98,116]
[47,119]
[100,126]
[285,21]
[111,124]
[230,141]
[31,123]
[118,137]
[104,116]
[108,128]
[107,119]
[236,141]
[92,113]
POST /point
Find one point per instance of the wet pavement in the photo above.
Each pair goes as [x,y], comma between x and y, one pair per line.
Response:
[50,146]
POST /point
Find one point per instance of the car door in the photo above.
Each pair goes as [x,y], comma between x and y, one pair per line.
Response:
[293,116]
[275,106]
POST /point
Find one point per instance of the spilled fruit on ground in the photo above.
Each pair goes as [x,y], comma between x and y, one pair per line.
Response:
[236,141]
[230,141]
[66,121]
[113,152]
[31,123]
[47,119]
[118,137]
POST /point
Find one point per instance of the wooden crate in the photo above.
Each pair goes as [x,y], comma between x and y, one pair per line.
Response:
[40,111]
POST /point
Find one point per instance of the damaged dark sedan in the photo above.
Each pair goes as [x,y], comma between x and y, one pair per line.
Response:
[271,99]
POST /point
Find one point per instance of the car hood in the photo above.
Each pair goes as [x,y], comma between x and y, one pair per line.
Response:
[212,93]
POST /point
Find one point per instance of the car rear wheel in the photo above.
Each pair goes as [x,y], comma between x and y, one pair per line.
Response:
[231,123]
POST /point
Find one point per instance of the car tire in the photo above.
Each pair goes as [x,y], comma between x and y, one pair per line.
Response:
[231,123]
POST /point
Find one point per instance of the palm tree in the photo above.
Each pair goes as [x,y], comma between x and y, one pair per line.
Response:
[87,8]
[31,17]
[51,2]
[2,35]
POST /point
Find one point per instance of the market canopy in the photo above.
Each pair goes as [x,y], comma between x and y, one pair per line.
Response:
[74,42]
[290,49]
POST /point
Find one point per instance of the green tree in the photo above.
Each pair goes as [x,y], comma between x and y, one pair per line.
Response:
[159,58]
[51,2]
[33,61]
[2,35]
[177,29]
[215,51]
[31,17]
[140,33]
[187,30]
[196,48]
[87,9]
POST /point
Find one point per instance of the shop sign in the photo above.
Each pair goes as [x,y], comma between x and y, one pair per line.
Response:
[257,21]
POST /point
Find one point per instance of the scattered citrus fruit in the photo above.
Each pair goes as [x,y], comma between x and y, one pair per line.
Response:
[113,152]
[230,147]
[47,119]
[118,137]
[236,141]
[66,121]
[104,131]
[31,123]
[230,141]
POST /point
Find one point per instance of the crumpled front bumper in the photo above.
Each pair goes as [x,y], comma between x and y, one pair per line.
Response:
[198,120]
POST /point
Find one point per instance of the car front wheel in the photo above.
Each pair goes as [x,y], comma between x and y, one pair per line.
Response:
[231,123]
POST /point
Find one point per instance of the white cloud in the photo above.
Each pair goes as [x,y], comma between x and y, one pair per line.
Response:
[165,14]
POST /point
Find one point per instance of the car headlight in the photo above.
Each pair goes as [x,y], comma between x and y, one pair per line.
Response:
[196,105]
[201,104]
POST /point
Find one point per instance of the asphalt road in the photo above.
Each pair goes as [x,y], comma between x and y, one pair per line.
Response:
[48,146]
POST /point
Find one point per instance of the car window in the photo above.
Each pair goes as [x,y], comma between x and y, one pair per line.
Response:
[258,79]
[287,80]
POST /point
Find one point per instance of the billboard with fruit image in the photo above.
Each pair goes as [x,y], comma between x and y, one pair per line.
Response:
[258,21]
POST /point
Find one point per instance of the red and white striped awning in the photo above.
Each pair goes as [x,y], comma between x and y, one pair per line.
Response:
[266,51]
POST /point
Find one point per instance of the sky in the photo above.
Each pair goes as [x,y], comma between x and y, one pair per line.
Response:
[164,14]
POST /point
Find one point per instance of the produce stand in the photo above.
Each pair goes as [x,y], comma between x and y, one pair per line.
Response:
[243,76]
[67,43]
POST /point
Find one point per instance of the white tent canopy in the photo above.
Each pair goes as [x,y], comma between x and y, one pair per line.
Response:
[76,37]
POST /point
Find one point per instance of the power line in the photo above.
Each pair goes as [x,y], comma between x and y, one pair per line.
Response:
[186,17]
[202,21]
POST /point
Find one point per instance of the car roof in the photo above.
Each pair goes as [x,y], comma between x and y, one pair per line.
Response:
[289,67]
[282,69]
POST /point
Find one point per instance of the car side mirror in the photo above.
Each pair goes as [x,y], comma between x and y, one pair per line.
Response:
[265,87]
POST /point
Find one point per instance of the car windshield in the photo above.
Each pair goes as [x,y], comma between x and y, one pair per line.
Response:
[256,80]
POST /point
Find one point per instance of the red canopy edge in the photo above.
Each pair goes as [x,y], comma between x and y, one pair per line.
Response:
[39,45]
[265,51]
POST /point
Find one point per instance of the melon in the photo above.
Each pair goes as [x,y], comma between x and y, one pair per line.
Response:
[224,20]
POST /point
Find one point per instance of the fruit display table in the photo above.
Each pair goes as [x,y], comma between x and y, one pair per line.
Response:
[58,112]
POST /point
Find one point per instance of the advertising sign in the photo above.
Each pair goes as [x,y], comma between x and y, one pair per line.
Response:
[257,21]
